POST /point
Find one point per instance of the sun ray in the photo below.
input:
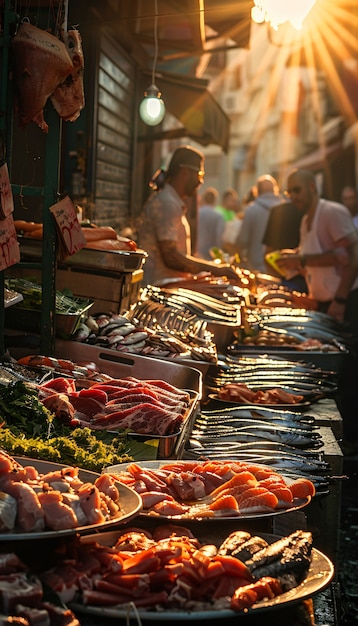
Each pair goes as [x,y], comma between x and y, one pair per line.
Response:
[328,39]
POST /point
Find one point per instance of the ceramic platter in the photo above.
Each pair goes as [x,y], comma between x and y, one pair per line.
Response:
[298,503]
[298,406]
[130,505]
[319,575]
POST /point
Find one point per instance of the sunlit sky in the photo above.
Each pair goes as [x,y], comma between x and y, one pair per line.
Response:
[327,43]
[328,38]
[277,12]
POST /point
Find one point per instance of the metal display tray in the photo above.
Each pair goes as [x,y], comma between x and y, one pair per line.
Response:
[103,260]
[145,368]
[108,260]
[121,364]
[327,361]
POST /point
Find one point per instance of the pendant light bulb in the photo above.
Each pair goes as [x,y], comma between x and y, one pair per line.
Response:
[152,107]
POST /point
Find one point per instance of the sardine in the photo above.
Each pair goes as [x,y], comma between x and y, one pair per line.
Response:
[249,548]
[135,337]
[82,332]
[270,447]
[233,541]
[287,559]
[282,435]
[237,540]
[207,425]
[262,412]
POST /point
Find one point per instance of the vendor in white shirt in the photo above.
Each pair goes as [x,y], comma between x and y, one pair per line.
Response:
[164,231]
[328,256]
[328,249]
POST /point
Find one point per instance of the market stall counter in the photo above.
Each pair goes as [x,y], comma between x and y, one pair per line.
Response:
[151,368]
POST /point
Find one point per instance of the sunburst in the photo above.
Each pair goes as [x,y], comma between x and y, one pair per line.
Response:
[326,43]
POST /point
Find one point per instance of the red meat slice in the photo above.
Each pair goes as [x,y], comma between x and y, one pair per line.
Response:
[143,419]
[61,385]
[96,394]
[87,406]
[141,398]
[284,397]
[168,390]
[125,393]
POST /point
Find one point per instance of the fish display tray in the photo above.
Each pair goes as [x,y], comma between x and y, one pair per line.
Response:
[203,366]
[106,260]
[327,361]
[119,365]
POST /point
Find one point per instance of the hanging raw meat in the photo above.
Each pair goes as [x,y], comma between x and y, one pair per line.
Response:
[68,98]
[41,62]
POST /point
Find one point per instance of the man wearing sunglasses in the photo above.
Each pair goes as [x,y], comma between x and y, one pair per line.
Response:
[328,255]
[328,249]
[164,232]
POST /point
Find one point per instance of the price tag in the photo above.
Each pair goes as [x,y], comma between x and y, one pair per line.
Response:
[69,229]
[9,246]
[6,199]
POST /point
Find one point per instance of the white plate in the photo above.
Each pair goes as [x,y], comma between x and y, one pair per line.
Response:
[299,503]
[319,575]
[130,505]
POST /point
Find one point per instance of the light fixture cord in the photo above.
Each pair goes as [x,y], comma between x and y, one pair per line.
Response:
[155,40]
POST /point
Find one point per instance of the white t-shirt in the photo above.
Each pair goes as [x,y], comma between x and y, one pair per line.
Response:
[163,220]
[331,223]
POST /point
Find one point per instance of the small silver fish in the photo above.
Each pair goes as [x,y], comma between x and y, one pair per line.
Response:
[82,332]
[92,324]
[135,337]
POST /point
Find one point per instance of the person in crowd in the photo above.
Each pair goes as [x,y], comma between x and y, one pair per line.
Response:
[349,197]
[282,232]
[231,232]
[328,254]
[249,241]
[210,224]
[229,205]
[164,231]
[249,196]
